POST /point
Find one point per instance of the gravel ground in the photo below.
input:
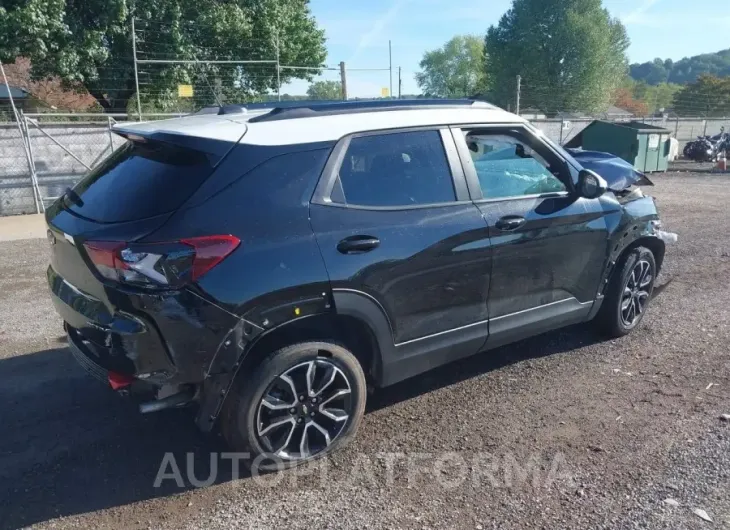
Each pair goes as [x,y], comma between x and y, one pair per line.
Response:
[559,431]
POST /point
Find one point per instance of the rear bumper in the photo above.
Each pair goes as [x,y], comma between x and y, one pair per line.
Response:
[162,338]
[86,358]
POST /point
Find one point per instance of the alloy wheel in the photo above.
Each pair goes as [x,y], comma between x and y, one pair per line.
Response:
[636,293]
[304,410]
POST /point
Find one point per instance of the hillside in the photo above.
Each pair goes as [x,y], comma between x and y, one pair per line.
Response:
[683,71]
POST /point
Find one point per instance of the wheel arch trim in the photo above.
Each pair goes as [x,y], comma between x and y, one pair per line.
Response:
[369,311]
[650,241]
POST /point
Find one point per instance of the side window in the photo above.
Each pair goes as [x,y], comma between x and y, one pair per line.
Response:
[399,169]
[508,167]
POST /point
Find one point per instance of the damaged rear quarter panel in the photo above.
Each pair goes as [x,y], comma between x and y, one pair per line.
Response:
[276,275]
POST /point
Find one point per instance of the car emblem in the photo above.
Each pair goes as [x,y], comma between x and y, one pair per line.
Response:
[51,238]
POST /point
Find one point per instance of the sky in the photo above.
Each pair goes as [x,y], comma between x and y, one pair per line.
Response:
[358,33]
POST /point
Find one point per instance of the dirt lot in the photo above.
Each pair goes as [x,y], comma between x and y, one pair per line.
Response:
[611,429]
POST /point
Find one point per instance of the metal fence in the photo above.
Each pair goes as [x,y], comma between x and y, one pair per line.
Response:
[43,154]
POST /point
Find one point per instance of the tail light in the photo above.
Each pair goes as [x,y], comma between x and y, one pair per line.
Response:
[156,265]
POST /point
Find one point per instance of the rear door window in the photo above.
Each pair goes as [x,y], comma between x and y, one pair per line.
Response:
[140,180]
[396,169]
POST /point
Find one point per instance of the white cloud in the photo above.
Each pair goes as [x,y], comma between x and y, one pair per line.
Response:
[376,30]
[637,15]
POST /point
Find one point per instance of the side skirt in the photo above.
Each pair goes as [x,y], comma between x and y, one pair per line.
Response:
[420,355]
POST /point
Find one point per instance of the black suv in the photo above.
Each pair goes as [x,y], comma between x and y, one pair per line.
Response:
[269,265]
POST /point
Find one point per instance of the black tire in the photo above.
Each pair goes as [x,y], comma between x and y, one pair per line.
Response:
[243,414]
[615,319]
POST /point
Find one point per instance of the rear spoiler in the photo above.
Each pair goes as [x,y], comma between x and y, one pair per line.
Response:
[214,138]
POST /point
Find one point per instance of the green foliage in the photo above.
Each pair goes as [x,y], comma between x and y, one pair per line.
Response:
[682,72]
[90,43]
[571,55]
[709,96]
[325,90]
[455,70]
[656,97]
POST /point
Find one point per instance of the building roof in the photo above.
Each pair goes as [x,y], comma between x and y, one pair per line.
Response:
[17,93]
[317,128]
[613,110]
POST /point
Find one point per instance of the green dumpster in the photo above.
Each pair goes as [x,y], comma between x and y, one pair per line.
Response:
[645,146]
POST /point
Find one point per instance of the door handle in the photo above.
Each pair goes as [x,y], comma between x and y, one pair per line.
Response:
[358,244]
[510,222]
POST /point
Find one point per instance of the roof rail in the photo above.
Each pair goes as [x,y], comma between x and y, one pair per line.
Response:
[309,109]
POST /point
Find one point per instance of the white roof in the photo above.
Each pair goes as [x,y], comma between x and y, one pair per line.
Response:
[332,127]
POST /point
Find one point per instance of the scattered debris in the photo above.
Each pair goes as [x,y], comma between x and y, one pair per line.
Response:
[725,417]
[702,514]
[670,502]
[709,386]
[596,448]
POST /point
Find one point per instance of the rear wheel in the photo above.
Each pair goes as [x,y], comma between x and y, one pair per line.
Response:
[629,293]
[302,402]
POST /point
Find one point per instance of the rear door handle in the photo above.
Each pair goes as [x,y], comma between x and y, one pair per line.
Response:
[358,244]
[510,222]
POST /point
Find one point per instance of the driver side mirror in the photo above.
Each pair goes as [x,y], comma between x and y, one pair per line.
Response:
[590,184]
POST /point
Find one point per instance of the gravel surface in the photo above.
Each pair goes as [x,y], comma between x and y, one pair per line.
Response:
[560,431]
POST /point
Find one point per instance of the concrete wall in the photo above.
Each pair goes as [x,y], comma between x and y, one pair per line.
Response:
[57,170]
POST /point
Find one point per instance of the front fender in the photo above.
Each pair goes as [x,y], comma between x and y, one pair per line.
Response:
[634,225]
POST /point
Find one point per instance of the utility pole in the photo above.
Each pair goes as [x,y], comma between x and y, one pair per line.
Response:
[400,82]
[136,73]
[343,80]
[278,69]
[390,67]
[519,93]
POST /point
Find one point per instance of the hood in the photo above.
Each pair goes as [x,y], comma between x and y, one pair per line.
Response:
[617,172]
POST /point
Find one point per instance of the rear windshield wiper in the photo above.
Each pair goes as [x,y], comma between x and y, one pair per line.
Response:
[71,196]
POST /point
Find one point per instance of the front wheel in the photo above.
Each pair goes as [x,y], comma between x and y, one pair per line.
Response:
[300,403]
[628,294]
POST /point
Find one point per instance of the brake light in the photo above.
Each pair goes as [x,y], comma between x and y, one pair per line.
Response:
[154,265]
[210,251]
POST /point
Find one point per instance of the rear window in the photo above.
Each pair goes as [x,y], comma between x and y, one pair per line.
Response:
[140,180]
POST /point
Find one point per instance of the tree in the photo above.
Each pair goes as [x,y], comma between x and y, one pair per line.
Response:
[653,73]
[49,90]
[624,99]
[656,98]
[455,70]
[684,71]
[90,43]
[571,55]
[325,90]
[709,96]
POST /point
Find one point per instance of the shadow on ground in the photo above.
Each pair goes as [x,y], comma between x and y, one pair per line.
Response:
[69,445]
